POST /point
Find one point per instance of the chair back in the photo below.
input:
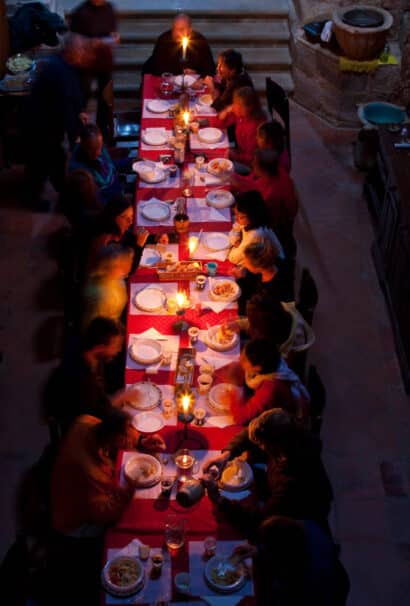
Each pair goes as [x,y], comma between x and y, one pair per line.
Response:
[278,106]
[308,296]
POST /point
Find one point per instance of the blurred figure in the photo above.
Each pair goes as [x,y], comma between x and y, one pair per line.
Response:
[167,53]
[231,75]
[55,110]
[271,135]
[96,19]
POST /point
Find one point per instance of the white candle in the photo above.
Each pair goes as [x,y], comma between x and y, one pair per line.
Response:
[184,47]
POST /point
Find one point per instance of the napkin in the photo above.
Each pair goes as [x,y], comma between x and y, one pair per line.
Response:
[132,549]
[199,211]
[216,358]
[206,179]
[204,110]
[221,421]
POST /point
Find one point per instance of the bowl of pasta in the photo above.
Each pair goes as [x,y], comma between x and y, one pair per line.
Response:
[122,576]
[224,290]
[224,576]
[221,338]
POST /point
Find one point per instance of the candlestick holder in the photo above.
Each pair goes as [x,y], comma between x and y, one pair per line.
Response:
[185,404]
[180,325]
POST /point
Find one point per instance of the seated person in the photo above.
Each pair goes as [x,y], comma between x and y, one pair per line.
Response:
[105,286]
[92,155]
[245,114]
[295,562]
[251,224]
[85,497]
[298,483]
[79,200]
[167,53]
[270,135]
[271,383]
[79,385]
[115,225]
[231,75]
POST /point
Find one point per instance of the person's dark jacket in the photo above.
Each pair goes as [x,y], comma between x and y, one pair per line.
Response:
[228,87]
[167,56]
[34,24]
[55,104]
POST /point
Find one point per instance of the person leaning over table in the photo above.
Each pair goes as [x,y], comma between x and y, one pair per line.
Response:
[298,485]
[295,562]
[79,385]
[167,53]
[231,75]
[86,498]
[245,115]
[251,224]
[271,384]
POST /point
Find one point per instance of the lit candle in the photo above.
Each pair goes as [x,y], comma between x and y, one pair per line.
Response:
[181,299]
[185,41]
[186,404]
[186,117]
[192,244]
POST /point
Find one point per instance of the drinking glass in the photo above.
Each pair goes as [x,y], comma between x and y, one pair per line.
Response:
[167,84]
[174,533]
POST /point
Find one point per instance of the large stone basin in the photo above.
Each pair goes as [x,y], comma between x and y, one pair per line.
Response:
[361,43]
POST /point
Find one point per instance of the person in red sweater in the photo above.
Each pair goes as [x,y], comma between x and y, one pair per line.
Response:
[271,135]
[245,115]
[273,384]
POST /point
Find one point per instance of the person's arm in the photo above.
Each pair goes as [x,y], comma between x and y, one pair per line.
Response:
[262,399]
[224,98]
[105,504]
[246,151]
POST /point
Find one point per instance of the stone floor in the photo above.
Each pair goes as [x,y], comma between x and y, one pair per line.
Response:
[367,420]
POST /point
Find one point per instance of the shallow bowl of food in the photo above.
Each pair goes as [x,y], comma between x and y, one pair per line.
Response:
[223,577]
[122,576]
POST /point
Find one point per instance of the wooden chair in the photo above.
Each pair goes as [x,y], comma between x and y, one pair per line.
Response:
[278,105]
[317,393]
[308,296]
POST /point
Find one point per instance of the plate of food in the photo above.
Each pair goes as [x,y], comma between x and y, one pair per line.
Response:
[19,63]
[146,351]
[222,395]
[219,198]
[146,396]
[154,137]
[224,290]
[122,576]
[150,257]
[210,135]
[220,167]
[185,80]
[155,211]
[150,299]
[221,338]
[148,422]
[216,241]
[143,470]
[236,476]
[205,99]
[224,576]
[143,166]
[157,106]
[156,175]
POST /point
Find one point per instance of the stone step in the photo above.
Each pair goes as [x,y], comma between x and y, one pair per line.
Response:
[267,57]
[128,83]
[147,30]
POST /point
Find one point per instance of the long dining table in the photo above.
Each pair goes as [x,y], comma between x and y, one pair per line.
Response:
[147,514]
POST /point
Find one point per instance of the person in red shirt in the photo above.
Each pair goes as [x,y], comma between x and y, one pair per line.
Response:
[273,384]
[270,135]
[245,115]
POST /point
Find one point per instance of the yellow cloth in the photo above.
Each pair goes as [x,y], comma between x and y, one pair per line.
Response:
[351,65]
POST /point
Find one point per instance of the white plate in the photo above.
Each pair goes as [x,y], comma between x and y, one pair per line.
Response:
[216,241]
[205,100]
[210,135]
[155,138]
[216,292]
[187,80]
[146,351]
[143,166]
[150,256]
[219,198]
[219,586]
[155,211]
[143,469]
[157,106]
[155,175]
[242,476]
[220,167]
[148,422]
[149,396]
[221,395]
[119,590]
[150,299]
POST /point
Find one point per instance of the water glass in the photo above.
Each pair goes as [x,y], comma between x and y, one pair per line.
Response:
[166,86]
[174,533]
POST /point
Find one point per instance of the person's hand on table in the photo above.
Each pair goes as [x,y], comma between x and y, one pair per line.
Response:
[219,462]
[224,113]
[238,272]
[210,84]
[198,84]
[212,489]
[153,443]
[141,236]
[231,325]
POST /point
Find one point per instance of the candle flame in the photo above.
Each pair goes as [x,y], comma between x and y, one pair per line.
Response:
[192,244]
[186,403]
[180,297]
[186,118]
[185,41]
